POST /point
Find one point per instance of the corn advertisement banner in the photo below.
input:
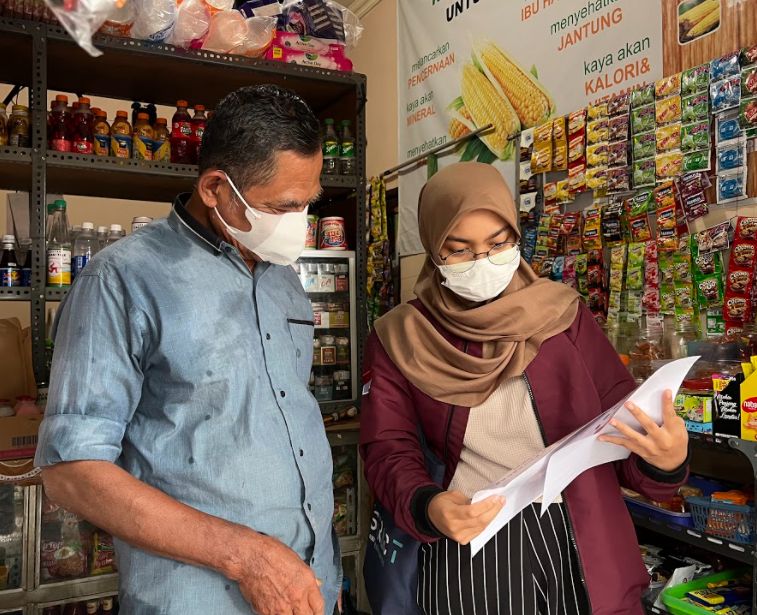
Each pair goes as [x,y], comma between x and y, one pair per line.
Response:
[463,64]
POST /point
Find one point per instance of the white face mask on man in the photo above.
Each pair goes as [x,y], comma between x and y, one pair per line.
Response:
[485,280]
[277,239]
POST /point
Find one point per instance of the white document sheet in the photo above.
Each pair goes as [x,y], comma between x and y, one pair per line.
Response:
[547,475]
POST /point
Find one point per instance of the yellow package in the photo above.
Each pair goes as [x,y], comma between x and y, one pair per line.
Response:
[668,110]
[597,154]
[598,131]
[597,111]
[749,404]
[668,137]
[558,129]
[669,164]
[562,192]
[596,178]
[560,158]
[541,159]
[668,85]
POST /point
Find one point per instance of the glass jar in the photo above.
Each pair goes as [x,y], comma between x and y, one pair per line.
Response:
[748,346]
[320,315]
[309,277]
[343,351]
[317,352]
[324,388]
[3,126]
[342,278]
[326,278]
[18,127]
[648,348]
[328,350]
[342,385]
[684,334]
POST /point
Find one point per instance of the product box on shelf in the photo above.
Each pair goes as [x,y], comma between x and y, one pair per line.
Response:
[749,402]
[694,408]
[18,437]
[694,427]
[727,419]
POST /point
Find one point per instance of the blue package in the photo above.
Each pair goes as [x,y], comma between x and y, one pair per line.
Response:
[557,268]
[732,185]
[725,67]
[725,94]
[728,128]
[731,155]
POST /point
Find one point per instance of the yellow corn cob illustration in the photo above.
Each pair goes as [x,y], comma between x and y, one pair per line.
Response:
[696,14]
[459,129]
[485,106]
[530,100]
[704,24]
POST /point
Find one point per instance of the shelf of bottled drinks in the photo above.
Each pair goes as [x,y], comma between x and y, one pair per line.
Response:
[44,576]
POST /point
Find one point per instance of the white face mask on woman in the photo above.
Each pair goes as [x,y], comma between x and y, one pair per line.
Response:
[485,280]
[277,239]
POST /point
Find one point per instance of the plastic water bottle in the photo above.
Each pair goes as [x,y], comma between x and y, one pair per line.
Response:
[59,248]
[85,247]
[114,235]
[102,235]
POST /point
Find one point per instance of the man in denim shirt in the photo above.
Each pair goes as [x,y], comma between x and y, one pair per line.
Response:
[179,417]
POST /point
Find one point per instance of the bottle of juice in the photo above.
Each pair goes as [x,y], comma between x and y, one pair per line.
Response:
[143,136]
[58,125]
[330,149]
[102,134]
[84,136]
[59,248]
[181,134]
[162,143]
[120,136]
[199,121]
[347,150]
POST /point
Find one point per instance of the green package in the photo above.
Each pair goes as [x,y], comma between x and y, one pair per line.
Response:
[644,145]
[639,204]
[695,79]
[695,136]
[695,108]
[643,119]
[696,161]
[642,95]
[644,173]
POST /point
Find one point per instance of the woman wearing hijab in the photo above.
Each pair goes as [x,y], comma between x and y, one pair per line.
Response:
[494,364]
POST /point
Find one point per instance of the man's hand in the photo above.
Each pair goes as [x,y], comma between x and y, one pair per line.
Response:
[275,581]
[454,516]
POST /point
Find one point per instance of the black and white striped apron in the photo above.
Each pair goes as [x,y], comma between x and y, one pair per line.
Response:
[529,568]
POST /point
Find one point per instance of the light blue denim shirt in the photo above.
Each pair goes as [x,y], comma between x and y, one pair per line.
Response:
[175,361]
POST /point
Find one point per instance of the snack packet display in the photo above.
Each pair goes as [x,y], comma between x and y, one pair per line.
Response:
[644,173]
[696,161]
[727,126]
[748,116]
[695,108]
[695,79]
[635,268]
[725,94]
[651,297]
[617,154]
[541,158]
[667,86]
[560,142]
[598,131]
[643,119]
[642,95]
[727,66]
[715,239]
[732,185]
[668,110]
[731,155]
[592,238]
[749,81]
[695,136]
[618,180]
[669,164]
[668,137]
[644,145]
[597,154]
[618,127]
[612,228]
[597,111]
[596,178]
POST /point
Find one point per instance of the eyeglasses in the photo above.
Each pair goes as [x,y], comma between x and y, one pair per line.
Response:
[463,261]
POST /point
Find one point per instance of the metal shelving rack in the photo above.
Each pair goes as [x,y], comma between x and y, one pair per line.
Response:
[44,58]
[741,553]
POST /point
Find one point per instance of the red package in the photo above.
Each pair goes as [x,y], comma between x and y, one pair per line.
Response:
[595,257]
[664,195]
[746,228]
[736,308]
[740,282]
[743,255]
[651,300]
[639,227]
[594,275]
[596,300]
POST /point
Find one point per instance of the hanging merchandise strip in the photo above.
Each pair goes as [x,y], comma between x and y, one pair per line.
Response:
[380,280]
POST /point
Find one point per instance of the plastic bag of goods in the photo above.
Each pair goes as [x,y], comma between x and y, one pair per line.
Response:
[82,18]
[155,20]
[230,32]
[321,18]
[192,24]
[120,20]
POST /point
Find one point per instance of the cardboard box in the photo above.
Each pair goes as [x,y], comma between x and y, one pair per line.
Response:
[749,402]
[18,437]
[695,408]
[727,405]
[694,427]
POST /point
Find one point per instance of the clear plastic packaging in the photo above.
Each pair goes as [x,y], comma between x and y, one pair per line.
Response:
[230,32]
[155,20]
[192,24]
[83,20]
[323,19]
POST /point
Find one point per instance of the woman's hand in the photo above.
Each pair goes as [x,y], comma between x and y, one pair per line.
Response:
[454,516]
[666,447]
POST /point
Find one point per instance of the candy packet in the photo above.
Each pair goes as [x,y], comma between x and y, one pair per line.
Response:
[668,110]
[598,131]
[731,185]
[696,161]
[668,85]
[643,119]
[618,127]
[597,154]
[644,145]
[668,137]
[749,81]
[642,95]
[725,94]
[617,153]
[695,79]
[644,173]
[727,126]
[731,155]
[695,136]
[618,179]
[695,107]
[669,164]
[748,116]
[597,110]
[727,66]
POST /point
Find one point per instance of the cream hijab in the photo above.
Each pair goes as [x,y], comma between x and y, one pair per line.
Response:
[511,327]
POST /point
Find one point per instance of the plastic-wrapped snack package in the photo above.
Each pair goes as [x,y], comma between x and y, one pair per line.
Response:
[746,228]
[620,104]
[230,32]
[618,128]
[592,237]
[597,154]
[727,126]
[668,86]
[749,80]
[192,24]
[732,185]
[668,110]
[695,108]
[669,164]
[642,95]
[695,79]
[612,227]
[727,66]
[668,137]
[695,136]
[696,161]
[635,269]
[618,179]
[748,116]
[644,145]
[597,178]
[644,173]
[597,111]
[82,19]
[731,155]
[643,119]
[725,94]
[617,154]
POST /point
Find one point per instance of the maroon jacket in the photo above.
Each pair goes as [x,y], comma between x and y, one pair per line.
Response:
[575,377]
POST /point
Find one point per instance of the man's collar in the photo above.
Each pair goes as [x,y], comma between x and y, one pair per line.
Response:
[192,224]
